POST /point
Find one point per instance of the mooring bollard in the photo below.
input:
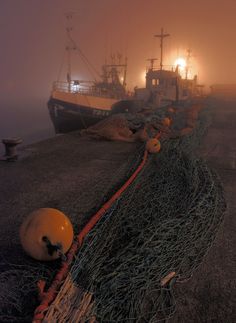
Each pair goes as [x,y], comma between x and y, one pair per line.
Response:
[10,148]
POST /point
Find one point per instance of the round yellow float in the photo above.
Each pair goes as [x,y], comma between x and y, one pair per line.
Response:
[153,145]
[166,121]
[171,110]
[46,234]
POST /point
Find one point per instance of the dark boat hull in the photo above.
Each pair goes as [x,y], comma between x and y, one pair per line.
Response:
[67,117]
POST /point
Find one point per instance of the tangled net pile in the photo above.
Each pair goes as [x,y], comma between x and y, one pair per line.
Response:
[164,223]
[18,286]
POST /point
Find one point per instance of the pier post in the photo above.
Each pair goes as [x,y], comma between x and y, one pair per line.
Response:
[10,148]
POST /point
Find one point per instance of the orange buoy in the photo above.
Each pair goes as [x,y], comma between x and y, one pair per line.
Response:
[153,145]
[166,121]
[46,234]
[171,110]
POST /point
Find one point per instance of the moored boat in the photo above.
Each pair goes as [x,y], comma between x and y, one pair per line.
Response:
[163,86]
[76,104]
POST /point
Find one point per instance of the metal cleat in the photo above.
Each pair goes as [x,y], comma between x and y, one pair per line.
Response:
[10,148]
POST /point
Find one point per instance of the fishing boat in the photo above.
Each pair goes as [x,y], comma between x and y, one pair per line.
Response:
[76,104]
[165,86]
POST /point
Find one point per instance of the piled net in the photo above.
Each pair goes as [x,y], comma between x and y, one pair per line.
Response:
[18,281]
[164,223]
[19,277]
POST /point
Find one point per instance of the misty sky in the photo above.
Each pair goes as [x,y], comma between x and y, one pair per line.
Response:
[33,38]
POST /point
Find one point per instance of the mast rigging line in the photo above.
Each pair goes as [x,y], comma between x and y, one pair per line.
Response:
[83,56]
[92,69]
[61,66]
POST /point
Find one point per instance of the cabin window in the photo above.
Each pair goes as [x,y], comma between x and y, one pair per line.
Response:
[155,82]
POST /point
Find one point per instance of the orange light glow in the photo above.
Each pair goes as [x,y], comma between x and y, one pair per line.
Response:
[143,77]
[181,63]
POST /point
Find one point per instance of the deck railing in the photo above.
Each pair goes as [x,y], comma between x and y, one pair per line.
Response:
[84,87]
[72,87]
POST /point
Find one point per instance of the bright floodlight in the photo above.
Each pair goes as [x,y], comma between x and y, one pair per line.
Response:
[180,62]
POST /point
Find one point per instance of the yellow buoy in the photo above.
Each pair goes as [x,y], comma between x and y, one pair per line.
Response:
[153,145]
[46,234]
[166,121]
[171,110]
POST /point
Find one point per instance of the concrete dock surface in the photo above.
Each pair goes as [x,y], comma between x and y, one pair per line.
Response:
[67,172]
[74,173]
[210,295]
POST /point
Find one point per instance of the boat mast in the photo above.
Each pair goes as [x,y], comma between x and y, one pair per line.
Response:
[125,72]
[152,61]
[189,55]
[69,47]
[113,70]
[161,36]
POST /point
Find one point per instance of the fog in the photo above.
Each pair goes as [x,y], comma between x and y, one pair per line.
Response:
[33,40]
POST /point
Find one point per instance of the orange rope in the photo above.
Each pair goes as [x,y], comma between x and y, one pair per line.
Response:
[47,297]
[158,135]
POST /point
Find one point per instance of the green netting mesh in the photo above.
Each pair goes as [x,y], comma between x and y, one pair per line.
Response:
[165,222]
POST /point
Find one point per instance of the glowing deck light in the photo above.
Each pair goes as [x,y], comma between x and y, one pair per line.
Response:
[181,63]
[75,86]
[143,76]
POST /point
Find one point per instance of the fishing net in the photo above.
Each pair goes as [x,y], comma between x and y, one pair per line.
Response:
[18,286]
[19,273]
[163,224]
[157,233]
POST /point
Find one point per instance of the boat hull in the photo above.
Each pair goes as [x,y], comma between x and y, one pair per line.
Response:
[68,117]
[70,111]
